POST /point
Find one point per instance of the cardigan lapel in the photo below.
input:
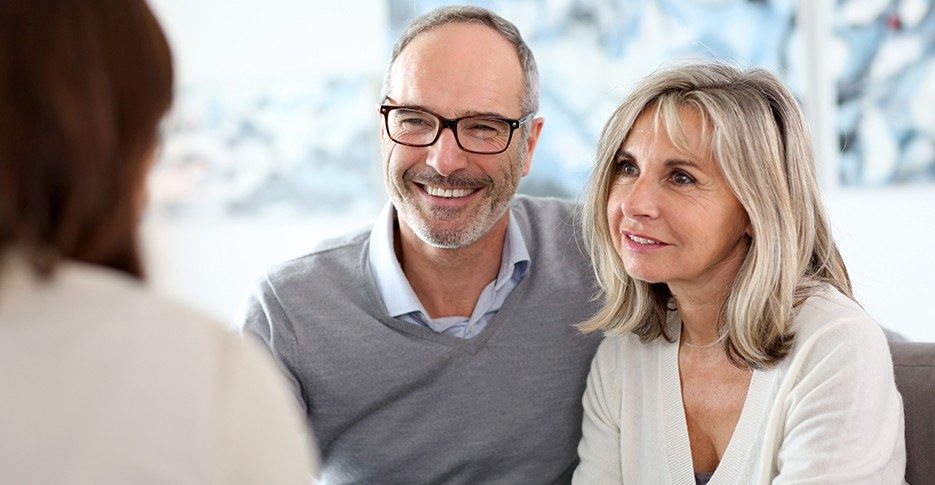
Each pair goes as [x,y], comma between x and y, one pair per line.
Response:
[741,448]
[675,427]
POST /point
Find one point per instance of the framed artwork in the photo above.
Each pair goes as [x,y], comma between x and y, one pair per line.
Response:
[885,92]
[270,149]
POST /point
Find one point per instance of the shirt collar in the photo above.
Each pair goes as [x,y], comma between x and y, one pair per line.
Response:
[398,296]
[515,260]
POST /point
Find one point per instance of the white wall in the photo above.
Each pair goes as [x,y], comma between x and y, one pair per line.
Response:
[230,40]
[887,239]
[212,265]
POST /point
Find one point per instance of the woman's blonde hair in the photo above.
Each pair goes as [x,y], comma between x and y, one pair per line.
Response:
[760,140]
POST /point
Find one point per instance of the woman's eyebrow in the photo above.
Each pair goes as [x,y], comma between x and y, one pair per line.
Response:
[678,162]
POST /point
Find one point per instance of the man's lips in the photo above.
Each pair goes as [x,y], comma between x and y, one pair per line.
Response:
[448,192]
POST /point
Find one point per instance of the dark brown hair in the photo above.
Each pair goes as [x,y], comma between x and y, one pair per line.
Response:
[83,85]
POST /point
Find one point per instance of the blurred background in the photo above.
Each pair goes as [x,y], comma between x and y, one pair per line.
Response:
[272,144]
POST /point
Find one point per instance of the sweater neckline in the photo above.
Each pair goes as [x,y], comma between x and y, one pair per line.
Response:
[741,447]
[471,346]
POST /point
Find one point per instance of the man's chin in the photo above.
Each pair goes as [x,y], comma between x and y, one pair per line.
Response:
[448,238]
[449,227]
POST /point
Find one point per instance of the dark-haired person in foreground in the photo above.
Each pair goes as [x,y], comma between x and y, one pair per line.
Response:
[102,382]
[736,353]
[438,346]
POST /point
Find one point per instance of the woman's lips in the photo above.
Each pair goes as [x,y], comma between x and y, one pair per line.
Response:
[641,243]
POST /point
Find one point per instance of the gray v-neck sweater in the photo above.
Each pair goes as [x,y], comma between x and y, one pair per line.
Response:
[392,402]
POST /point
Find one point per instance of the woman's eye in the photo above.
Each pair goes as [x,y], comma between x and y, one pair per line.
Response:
[682,178]
[626,168]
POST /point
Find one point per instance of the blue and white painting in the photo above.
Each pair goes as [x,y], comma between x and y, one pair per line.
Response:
[886,91]
[283,145]
[270,150]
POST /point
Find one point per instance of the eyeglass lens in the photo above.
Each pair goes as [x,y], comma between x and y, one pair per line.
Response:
[476,134]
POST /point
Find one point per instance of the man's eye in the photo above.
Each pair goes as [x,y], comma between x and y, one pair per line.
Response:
[413,122]
[481,128]
[682,178]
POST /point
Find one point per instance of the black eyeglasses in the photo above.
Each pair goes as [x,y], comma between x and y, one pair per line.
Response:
[484,135]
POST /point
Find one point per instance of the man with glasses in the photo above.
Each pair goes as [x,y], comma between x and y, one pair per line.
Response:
[439,347]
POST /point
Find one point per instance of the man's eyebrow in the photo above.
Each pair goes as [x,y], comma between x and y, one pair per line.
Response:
[460,114]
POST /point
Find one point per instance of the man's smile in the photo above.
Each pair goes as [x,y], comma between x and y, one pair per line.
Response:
[447,192]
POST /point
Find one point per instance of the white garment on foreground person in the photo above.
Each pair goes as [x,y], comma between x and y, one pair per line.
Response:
[105,383]
[829,412]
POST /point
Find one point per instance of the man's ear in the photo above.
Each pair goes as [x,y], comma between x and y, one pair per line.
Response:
[535,129]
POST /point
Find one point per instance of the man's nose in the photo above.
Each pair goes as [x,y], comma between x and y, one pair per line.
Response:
[445,156]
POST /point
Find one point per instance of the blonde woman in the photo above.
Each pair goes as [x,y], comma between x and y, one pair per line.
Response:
[735,352]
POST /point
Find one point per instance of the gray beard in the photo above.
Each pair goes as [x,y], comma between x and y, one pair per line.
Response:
[456,238]
[471,232]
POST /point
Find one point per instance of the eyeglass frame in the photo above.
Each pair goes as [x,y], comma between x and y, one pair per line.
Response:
[452,124]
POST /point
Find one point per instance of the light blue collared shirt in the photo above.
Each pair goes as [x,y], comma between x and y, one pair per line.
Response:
[401,301]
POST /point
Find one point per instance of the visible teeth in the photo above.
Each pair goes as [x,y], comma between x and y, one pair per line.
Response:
[642,240]
[440,192]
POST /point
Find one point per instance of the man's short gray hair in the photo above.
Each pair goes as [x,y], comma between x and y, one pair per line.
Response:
[469,14]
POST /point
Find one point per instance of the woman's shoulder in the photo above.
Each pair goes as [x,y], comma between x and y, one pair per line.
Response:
[107,329]
[829,322]
[828,308]
[129,297]
[84,301]
[101,338]
[625,352]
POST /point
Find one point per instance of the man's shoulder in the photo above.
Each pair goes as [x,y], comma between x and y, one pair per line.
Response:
[544,207]
[330,258]
[551,226]
[546,216]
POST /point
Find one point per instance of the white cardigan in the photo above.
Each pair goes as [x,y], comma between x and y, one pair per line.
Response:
[103,382]
[827,413]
